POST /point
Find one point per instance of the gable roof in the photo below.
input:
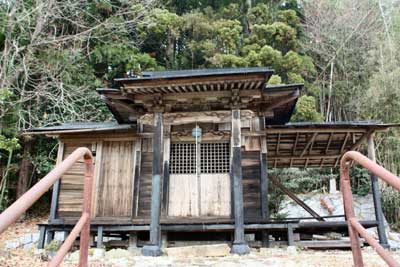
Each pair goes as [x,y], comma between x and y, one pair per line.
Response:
[202,90]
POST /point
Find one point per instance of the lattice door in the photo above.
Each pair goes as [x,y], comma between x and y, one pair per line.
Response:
[199,179]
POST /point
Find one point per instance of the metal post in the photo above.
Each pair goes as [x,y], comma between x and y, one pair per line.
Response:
[239,245]
[154,246]
[377,196]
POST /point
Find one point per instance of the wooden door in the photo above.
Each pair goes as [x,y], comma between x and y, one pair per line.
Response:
[199,183]
[114,187]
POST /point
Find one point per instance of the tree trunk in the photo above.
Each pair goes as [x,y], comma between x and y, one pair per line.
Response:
[25,168]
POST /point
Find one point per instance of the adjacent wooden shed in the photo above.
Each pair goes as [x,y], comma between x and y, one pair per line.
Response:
[190,151]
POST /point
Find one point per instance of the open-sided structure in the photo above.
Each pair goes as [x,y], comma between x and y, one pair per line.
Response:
[190,152]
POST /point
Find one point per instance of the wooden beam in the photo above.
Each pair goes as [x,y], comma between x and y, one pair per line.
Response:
[356,145]
[344,143]
[137,181]
[296,199]
[167,145]
[278,143]
[280,157]
[315,129]
[329,143]
[309,142]
[295,143]
[56,186]
[154,246]
[284,100]
[178,118]
[239,245]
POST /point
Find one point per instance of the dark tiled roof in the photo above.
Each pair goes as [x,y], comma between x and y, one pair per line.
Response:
[150,75]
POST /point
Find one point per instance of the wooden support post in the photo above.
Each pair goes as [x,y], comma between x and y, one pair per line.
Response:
[50,236]
[376,195]
[164,240]
[239,245]
[290,235]
[42,235]
[56,186]
[132,241]
[153,248]
[264,183]
[99,243]
[165,182]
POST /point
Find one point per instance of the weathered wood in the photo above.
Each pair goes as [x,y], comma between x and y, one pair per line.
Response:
[376,195]
[153,248]
[99,243]
[70,197]
[215,195]
[56,186]
[239,245]
[296,199]
[25,166]
[115,180]
[137,181]
[264,189]
[309,143]
[167,144]
[196,117]
[186,194]
[264,185]
[42,235]
[290,235]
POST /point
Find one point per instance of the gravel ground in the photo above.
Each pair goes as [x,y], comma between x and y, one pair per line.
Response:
[273,257]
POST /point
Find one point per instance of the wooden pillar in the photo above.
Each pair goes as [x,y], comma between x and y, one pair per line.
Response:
[377,196]
[264,183]
[239,245]
[154,246]
[290,235]
[56,186]
[99,243]
[165,182]
[42,235]
[132,241]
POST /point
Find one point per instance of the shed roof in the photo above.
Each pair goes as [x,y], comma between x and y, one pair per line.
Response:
[79,127]
[308,145]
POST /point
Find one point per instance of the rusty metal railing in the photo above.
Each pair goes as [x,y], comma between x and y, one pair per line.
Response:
[12,213]
[354,226]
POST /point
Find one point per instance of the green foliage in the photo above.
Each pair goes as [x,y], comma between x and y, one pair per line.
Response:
[9,144]
[228,33]
[275,80]
[224,61]
[306,110]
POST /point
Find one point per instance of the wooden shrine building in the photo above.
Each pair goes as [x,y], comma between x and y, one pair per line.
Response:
[190,152]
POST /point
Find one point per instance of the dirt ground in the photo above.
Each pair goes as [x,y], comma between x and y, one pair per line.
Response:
[274,257]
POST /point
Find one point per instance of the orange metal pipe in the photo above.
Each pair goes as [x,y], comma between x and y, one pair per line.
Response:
[375,244]
[66,246]
[354,226]
[12,213]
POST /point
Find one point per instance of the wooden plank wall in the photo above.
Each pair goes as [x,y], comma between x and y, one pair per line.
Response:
[71,187]
[114,167]
[114,187]
[144,198]
[251,183]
